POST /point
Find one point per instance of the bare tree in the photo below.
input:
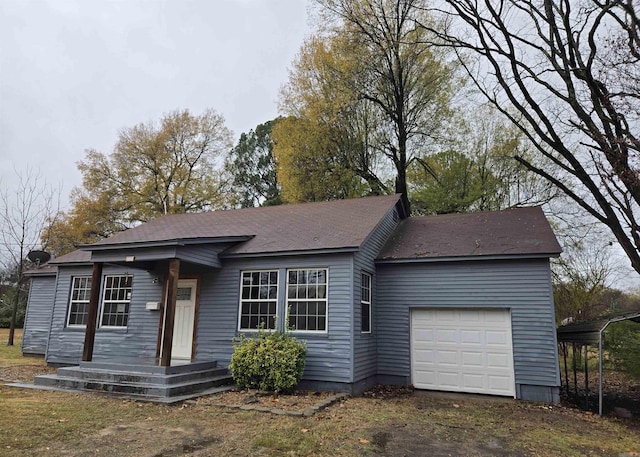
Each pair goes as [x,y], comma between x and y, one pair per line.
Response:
[25,210]
[407,85]
[567,73]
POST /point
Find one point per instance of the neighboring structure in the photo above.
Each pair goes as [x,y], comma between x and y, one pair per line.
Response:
[455,302]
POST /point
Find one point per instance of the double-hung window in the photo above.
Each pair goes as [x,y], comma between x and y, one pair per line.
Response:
[258,300]
[116,300]
[365,303]
[79,302]
[307,299]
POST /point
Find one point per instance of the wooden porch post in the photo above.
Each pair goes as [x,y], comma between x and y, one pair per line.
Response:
[170,312]
[92,315]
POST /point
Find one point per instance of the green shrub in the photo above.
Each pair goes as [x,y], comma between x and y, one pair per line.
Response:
[622,340]
[269,361]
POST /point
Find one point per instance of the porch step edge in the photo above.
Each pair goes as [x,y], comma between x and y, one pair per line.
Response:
[133,389]
[94,374]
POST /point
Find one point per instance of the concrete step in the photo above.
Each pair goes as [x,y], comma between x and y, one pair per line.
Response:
[138,380]
[120,376]
[160,390]
[148,366]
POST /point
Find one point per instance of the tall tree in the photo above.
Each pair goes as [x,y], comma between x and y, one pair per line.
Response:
[311,164]
[155,169]
[566,73]
[372,64]
[24,213]
[252,169]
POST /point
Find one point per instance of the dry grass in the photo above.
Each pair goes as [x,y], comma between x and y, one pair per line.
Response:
[40,423]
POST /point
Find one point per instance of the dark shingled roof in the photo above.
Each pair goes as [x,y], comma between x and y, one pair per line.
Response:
[308,226]
[519,231]
[51,268]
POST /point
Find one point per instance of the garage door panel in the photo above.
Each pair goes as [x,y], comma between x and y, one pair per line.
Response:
[448,379]
[463,350]
[498,360]
[425,335]
[498,337]
[445,316]
[473,382]
[446,357]
[446,336]
[470,316]
[473,359]
[471,337]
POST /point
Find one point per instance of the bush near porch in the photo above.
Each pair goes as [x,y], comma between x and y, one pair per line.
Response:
[272,361]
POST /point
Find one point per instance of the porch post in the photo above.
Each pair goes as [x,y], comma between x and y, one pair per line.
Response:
[170,312]
[92,315]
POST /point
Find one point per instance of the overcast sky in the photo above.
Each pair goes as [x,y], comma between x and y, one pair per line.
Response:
[74,72]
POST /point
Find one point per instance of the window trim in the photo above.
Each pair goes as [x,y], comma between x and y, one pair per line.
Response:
[72,301]
[103,302]
[326,300]
[368,303]
[277,300]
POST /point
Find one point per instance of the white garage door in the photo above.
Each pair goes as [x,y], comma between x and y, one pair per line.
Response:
[462,350]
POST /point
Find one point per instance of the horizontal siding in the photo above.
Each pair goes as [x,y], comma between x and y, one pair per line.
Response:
[139,339]
[328,355]
[522,286]
[38,316]
[365,345]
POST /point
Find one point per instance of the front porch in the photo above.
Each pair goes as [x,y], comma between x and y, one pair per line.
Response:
[141,379]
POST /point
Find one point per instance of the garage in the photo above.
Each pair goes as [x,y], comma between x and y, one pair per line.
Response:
[462,350]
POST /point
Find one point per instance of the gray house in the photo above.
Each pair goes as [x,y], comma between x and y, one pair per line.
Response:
[455,302]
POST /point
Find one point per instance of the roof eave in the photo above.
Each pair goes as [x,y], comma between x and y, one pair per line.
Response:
[164,243]
[340,250]
[466,258]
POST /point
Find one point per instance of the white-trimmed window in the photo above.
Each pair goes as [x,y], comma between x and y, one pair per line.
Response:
[365,303]
[115,301]
[307,299]
[79,301]
[258,300]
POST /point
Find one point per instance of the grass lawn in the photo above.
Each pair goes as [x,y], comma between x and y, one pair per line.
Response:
[40,423]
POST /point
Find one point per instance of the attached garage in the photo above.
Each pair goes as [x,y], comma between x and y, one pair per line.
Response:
[462,350]
[464,303]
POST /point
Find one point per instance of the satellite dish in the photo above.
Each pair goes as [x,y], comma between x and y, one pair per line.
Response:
[39,257]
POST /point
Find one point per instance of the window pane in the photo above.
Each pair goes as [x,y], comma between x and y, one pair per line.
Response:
[264,292]
[306,299]
[116,299]
[184,293]
[365,325]
[258,299]
[322,291]
[79,301]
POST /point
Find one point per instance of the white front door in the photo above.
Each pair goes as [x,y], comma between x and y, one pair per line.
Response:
[184,319]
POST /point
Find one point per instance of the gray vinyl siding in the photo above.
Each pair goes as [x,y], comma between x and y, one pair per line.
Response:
[522,286]
[328,354]
[38,316]
[138,340]
[365,344]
